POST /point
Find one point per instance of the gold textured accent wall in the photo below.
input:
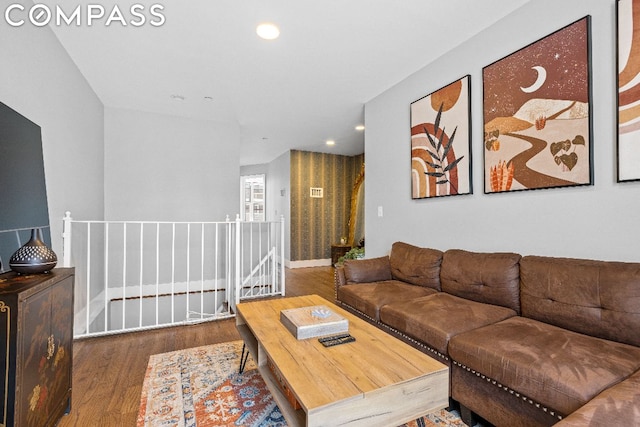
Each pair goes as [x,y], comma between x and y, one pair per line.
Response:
[316,224]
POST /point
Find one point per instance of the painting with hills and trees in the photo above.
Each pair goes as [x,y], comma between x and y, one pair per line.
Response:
[537,118]
[441,143]
[628,26]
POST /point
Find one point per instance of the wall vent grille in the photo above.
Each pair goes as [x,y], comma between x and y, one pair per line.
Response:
[316,192]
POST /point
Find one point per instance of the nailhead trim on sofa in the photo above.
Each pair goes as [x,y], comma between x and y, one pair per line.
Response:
[507,389]
[414,341]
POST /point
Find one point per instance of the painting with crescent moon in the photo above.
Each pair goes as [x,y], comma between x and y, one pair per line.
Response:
[440,142]
[628,14]
[537,114]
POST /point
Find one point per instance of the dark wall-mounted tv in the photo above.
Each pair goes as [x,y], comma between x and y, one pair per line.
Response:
[23,194]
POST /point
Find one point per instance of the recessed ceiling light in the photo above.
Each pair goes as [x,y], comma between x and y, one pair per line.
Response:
[178,97]
[268,31]
[331,142]
[208,98]
[360,127]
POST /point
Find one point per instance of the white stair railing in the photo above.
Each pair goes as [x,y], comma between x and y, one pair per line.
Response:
[133,275]
[259,263]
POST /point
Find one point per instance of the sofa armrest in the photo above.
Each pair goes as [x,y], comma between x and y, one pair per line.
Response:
[361,271]
[339,277]
[618,405]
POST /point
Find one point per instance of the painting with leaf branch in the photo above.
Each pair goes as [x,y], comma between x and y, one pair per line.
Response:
[441,142]
[628,155]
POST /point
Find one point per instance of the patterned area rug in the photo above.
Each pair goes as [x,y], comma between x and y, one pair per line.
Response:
[201,387]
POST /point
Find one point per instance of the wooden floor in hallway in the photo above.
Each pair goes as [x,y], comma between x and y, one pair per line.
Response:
[108,372]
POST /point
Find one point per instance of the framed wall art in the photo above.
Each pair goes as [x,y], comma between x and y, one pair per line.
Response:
[441,143]
[537,114]
[628,153]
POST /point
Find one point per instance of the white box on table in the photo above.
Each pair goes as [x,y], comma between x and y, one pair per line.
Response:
[313,321]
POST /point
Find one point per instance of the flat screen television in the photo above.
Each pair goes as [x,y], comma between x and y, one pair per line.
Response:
[23,194]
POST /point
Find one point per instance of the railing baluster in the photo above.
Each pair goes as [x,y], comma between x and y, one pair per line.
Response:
[173,272]
[251,281]
[88,277]
[141,267]
[230,269]
[265,265]
[202,271]
[188,266]
[157,272]
[124,274]
[106,277]
[238,259]
[66,239]
[282,284]
[260,278]
[215,271]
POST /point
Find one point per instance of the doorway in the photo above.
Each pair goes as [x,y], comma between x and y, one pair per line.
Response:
[252,196]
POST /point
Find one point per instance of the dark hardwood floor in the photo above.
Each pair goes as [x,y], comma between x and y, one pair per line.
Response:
[108,372]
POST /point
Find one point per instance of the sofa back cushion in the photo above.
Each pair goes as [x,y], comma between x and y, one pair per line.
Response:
[491,278]
[418,266]
[367,270]
[597,298]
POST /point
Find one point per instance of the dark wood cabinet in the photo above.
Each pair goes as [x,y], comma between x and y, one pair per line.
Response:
[36,320]
[337,251]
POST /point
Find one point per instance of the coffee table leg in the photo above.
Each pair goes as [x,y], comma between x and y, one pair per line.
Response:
[243,358]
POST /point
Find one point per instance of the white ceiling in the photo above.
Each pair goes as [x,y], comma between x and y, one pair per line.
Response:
[295,92]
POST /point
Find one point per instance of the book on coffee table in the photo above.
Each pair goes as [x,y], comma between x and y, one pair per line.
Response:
[313,321]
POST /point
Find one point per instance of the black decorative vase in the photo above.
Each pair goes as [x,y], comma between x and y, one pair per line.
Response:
[34,256]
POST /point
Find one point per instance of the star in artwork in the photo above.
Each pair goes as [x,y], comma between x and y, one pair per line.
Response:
[540,70]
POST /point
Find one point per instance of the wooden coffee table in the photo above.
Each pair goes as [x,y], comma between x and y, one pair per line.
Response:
[377,380]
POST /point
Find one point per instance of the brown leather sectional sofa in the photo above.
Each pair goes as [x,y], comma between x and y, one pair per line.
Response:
[531,341]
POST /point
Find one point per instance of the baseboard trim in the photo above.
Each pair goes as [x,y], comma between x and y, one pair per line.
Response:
[308,263]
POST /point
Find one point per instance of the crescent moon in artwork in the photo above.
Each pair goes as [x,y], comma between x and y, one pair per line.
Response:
[542,77]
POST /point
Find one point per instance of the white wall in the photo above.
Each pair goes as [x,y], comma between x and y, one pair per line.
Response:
[279,195]
[599,221]
[169,168]
[39,80]
[254,169]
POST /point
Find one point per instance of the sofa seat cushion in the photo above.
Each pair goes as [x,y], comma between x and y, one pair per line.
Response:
[370,297]
[558,368]
[434,319]
[616,406]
